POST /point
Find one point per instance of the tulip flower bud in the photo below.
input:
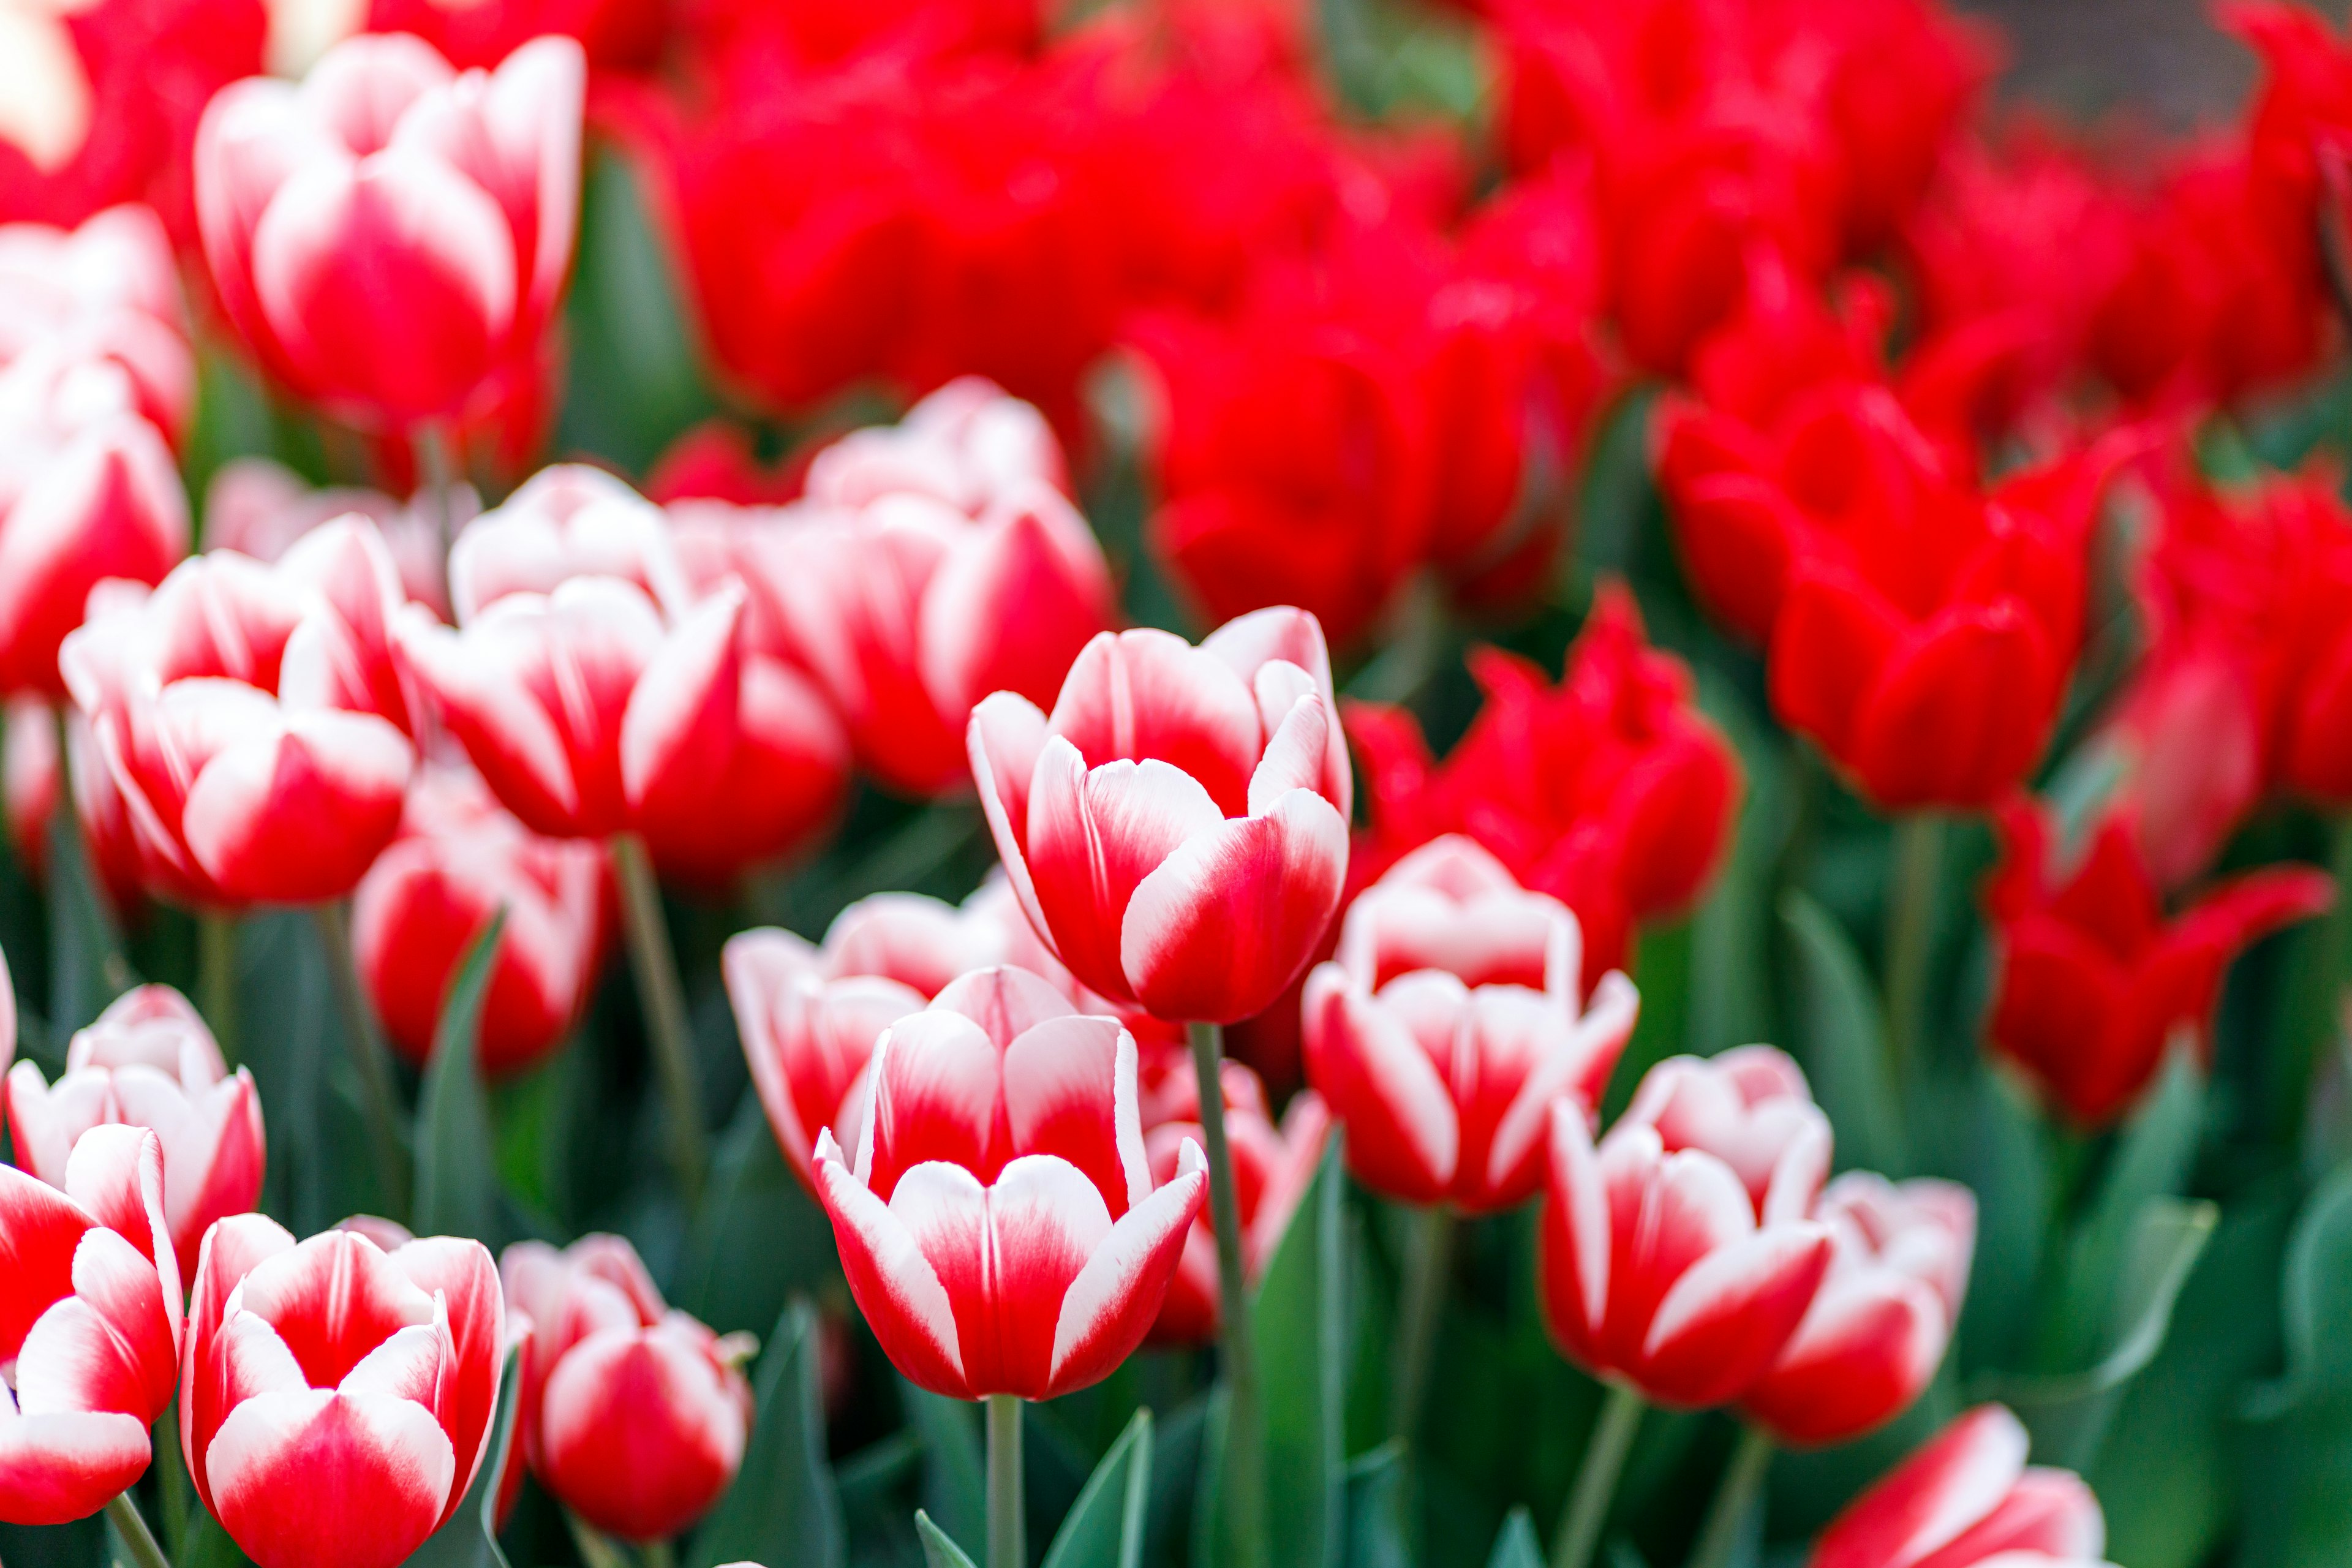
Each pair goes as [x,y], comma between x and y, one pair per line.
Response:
[337,1398]
[1449,1023]
[90,1326]
[1176,831]
[999,1226]
[1964,1499]
[149,1061]
[1678,1254]
[632,1415]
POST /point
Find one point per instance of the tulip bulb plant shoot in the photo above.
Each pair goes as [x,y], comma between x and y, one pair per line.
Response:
[1418,781]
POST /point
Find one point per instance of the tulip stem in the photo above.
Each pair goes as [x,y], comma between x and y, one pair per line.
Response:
[597,1550]
[136,1536]
[437,476]
[1911,893]
[663,997]
[1429,1269]
[216,978]
[369,1058]
[1008,1532]
[1244,1435]
[1605,1448]
[1735,1500]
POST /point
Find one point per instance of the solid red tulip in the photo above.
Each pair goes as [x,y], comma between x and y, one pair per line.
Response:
[149,1061]
[634,1415]
[999,1227]
[2095,980]
[1677,1256]
[1177,829]
[460,858]
[1969,1497]
[90,1326]
[1610,791]
[1452,1019]
[336,1399]
[1272,1165]
[388,187]
[1878,1328]
[617,34]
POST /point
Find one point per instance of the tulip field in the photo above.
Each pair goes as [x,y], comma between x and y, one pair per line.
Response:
[1169,784]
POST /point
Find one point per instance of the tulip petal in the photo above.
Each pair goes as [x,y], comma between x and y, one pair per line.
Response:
[57,1468]
[1728,1315]
[1403,1130]
[1005,739]
[1069,1092]
[1934,1495]
[1149,695]
[1958,715]
[1832,636]
[898,1291]
[1106,1311]
[356,1479]
[40,1230]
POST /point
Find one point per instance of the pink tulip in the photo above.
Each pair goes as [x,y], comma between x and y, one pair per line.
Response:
[389,188]
[999,1227]
[149,1061]
[1879,1326]
[1177,829]
[634,1415]
[89,1327]
[1969,1498]
[336,1399]
[1449,1023]
[1665,1261]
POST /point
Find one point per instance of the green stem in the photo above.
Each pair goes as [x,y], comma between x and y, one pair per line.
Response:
[372,1059]
[658,1554]
[216,978]
[1911,894]
[172,1478]
[1245,1431]
[1420,1308]
[1596,1479]
[663,997]
[1735,1500]
[2319,966]
[1008,1533]
[136,1536]
[437,476]
[597,1550]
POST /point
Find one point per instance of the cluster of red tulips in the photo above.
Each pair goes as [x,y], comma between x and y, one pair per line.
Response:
[944,530]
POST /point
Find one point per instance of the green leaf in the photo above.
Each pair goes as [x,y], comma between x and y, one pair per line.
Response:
[2316,1300]
[2300,1468]
[471,1539]
[207,1545]
[1207,1522]
[1841,1042]
[1517,1546]
[2068,1412]
[782,1507]
[1662,957]
[86,969]
[456,1168]
[939,1551]
[1301,1323]
[759,1237]
[1103,1529]
[1376,1537]
[955,1471]
[2004,1160]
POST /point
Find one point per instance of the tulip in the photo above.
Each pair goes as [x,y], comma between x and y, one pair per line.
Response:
[458,860]
[810,1016]
[1177,829]
[635,1415]
[260,508]
[147,1061]
[617,34]
[387,187]
[2096,981]
[934,562]
[1878,1328]
[1677,1256]
[999,1227]
[1274,1163]
[568,520]
[337,1398]
[1610,791]
[1450,1021]
[32,777]
[90,1326]
[1969,1498]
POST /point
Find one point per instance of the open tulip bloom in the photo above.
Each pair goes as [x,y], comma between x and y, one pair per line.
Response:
[1969,1498]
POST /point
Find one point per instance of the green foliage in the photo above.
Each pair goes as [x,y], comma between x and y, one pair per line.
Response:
[457,1173]
[782,1507]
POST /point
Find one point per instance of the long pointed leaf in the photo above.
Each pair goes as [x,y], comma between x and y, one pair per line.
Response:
[457,1158]
[1104,1528]
[471,1539]
[782,1507]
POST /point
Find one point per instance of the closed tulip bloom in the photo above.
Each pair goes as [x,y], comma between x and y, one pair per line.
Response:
[1969,1497]
[1450,1022]
[1177,829]
[337,1398]
[810,1016]
[567,521]
[1877,1330]
[149,1061]
[2095,979]
[634,1415]
[1273,1164]
[590,711]
[388,187]
[252,731]
[999,1227]
[1676,1256]
[90,1326]
[932,563]
[460,858]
